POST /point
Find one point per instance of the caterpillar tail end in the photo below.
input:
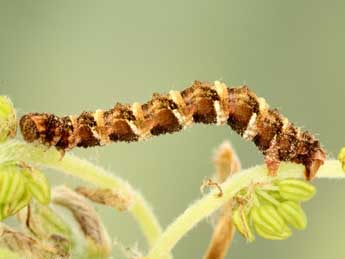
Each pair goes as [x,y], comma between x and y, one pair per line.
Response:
[312,164]
[316,161]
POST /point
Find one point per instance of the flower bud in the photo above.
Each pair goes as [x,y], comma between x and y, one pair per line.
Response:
[18,183]
[44,222]
[296,190]
[46,225]
[276,195]
[240,220]
[96,235]
[286,233]
[109,197]
[7,119]
[24,245]
[268,223]
[14,207]
[265,198]
[293,214]
[37,184]
[13,184]
[13,193]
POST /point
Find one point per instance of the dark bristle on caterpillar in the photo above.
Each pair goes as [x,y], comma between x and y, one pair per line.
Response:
[248,115]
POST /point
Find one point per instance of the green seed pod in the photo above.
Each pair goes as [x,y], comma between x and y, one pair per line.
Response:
[7,119]
[293,214]
[296,190]
[240,220]
[38,185]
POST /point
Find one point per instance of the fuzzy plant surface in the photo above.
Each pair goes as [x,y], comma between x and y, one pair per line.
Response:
[251,202]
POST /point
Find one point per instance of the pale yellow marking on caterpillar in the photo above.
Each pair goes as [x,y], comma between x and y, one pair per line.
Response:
[221,90]
[286,123]
[221,120]
[140,129]
[179,117]
[220,106]
[251,130]
[134,128]
[100,131]
[263,106]
[178,100]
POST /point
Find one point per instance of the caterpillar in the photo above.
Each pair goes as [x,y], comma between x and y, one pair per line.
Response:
[203,102]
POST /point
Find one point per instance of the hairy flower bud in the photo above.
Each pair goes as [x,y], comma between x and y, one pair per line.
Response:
[98,241]
[106,196]
[43,221]
[46,225]
[7,119]
[24,245]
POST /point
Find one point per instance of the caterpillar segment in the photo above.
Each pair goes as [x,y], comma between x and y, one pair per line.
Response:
[248,115]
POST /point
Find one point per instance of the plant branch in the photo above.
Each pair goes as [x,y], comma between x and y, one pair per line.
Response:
[74,166]
[226,163]
[211,202]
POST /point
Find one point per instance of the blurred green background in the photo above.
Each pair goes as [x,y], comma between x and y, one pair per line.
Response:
[68,56]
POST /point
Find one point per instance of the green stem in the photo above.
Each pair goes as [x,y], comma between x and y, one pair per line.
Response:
[211,202]
[72,165]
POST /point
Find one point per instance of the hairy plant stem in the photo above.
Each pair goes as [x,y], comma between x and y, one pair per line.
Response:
[74,166]
[211,202]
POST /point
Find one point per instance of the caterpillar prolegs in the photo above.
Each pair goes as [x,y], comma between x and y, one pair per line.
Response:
[249,115]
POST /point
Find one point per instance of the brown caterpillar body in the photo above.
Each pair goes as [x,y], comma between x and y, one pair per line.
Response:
[247,114]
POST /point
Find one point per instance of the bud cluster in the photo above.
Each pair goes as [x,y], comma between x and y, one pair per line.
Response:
[18,185]
[272,209]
